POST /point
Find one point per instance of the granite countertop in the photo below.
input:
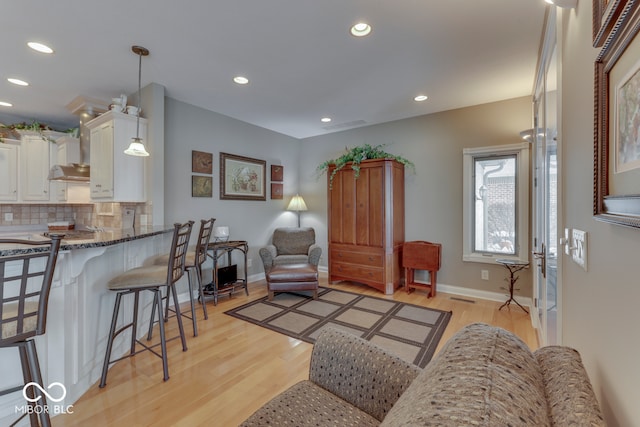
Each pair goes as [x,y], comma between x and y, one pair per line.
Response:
[98,239]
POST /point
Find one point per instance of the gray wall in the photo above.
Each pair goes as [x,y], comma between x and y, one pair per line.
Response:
[433,207]
[190,128]
[600,307]
[433,193]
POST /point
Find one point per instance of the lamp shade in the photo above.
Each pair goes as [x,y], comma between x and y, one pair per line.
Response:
[297,204]
[136,148]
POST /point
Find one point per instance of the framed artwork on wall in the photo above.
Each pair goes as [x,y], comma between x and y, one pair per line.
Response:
[276,190]
[201,186]
[242,178]
[201,162]
[616,193]
[605,16]
[277,173]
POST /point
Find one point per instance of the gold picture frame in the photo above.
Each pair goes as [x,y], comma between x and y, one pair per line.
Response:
[242,178]
[616,196]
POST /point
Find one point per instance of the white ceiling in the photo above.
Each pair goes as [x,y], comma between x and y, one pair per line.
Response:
[298,54]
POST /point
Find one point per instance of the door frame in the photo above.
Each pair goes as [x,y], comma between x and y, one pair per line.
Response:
[552,33]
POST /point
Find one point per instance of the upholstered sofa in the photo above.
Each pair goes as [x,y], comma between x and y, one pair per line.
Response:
[483,376]
[290,245]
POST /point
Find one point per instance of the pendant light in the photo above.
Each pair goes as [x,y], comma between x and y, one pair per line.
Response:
[136,148]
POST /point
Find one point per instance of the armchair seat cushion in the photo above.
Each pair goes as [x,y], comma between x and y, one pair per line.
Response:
[307,404]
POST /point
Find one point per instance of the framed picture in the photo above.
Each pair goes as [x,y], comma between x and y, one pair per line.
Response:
[201,186]
[276,191]
[201,162]
[242,178]
[605,17]
[616,195]
[277,173]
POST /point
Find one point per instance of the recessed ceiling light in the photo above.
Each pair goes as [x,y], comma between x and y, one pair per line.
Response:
[17,82]
[43,48]
[241,80]
[361,29]
[325,119]
[5,104]
[420,98]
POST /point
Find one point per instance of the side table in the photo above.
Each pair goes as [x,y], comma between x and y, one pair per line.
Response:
[513,266]
[215,250]
[421,255]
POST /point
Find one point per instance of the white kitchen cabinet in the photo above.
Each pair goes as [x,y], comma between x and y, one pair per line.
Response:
[9,170]
[116,176]
[67,152]
[35,153]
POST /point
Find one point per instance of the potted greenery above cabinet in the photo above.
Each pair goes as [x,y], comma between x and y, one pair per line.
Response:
[115,176]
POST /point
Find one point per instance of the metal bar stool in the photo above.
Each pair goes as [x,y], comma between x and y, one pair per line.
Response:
[153,279]
[193,264]
[25,282]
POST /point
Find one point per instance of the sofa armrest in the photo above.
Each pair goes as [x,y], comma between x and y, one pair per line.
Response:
[359,372]
[570,397]
[315,252]
[268,254]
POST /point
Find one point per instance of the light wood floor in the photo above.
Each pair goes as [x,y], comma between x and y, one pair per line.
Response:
[233,367]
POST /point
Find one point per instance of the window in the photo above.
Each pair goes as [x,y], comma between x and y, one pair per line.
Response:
[496,195]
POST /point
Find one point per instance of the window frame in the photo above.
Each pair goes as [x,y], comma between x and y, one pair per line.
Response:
[521,151]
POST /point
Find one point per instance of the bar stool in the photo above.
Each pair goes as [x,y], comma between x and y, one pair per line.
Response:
[152,278]
[193,264]
[25,282]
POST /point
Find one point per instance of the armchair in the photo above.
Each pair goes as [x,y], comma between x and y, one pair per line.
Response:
[291,245]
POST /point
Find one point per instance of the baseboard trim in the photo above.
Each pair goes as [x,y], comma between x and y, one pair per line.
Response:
[448,289]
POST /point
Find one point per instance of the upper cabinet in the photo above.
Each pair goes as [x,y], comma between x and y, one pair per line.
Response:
[35,165]
[115,176]
[9,170]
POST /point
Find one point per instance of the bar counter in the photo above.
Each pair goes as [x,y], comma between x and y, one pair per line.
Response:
[72,350]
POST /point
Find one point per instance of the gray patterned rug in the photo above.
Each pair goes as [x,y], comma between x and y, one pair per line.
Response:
[410,331]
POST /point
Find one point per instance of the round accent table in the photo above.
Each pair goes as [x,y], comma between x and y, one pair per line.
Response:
[513,266]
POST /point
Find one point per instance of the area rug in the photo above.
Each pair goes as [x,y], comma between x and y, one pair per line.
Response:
[410,331]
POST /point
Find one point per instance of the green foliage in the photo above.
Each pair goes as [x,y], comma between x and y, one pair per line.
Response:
[356,155]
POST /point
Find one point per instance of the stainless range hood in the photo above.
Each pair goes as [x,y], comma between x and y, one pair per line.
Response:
[76,172]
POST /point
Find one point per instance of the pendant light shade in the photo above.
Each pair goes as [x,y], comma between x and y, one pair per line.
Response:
[136,148]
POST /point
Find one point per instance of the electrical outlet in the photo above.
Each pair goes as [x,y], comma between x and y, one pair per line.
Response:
[249,262]
[484,274]
[579,248]
[8,216]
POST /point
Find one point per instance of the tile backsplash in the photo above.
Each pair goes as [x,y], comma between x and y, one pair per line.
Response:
[107,215]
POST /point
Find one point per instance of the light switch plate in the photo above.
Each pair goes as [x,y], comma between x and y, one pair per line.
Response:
[579,248]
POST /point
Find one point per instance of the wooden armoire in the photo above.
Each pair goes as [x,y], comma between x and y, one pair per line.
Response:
[366,224]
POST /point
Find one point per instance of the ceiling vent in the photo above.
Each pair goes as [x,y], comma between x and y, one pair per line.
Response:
[338,126]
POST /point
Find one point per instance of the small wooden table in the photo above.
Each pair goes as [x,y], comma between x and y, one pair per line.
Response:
[513,266]
[421,255]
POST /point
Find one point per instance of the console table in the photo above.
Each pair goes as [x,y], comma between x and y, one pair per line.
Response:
[513,266]
[216,250]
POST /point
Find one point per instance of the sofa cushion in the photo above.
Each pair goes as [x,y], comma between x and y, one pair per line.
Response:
[306,404]
[483,376]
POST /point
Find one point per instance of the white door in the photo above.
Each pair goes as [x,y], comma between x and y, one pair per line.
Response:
[545,193]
